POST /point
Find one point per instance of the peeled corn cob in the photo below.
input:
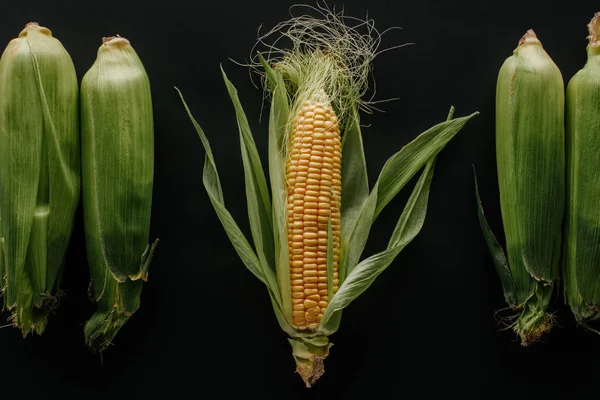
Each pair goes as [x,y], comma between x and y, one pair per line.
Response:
[531,168]
[582,241]
[39,172]
[314,186]
[118,170]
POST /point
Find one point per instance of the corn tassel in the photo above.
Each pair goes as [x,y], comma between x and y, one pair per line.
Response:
[582,227]
[118,168]
[530,158]
[39,172]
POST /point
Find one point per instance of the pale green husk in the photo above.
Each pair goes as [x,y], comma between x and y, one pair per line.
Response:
[328,57]
[39,172]
[531,168]
[581,267]
[118,172]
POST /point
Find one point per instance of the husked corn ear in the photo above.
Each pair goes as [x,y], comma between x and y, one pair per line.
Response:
[531,169]
[313,188]
[39,172]
[582,227]
[118,171]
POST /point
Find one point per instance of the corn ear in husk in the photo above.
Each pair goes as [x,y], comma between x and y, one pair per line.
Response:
[39,172]
[118,171]
[531,167]
[315,91]
[581,259]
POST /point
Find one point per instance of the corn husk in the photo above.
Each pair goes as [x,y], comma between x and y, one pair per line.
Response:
[531,168]
[581,266]
[118,171]
[320,62]
[39,172]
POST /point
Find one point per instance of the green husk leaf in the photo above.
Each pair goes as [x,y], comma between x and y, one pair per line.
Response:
[117,153]
[18,197]
[581,259]
[355,185]
[257,191]
[117,131]
[39,172]
[116,306]
[212,184]
[531,166]
[280,315]
[365,273]
[396,172]
[502,267]
[278,120]
[402,166]
[2,262]
[531,174]
[330,260]
[271,75]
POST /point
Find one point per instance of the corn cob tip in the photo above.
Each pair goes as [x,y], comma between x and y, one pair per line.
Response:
[529,38]
[30,26]
[116,41]
[593,29]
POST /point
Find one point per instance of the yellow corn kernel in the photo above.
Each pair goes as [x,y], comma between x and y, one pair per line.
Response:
[314,197]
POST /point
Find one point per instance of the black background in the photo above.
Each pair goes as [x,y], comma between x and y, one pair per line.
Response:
[206,327]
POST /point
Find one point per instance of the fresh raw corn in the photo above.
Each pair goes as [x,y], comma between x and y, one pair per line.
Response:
[531,168]
[581,268]
[118,171]
[310,225]
[314,186]
[39,172]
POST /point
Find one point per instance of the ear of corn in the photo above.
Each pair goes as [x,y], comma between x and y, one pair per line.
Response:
[582,227]
[39,172]
[313,193]
[118,169]
[320,208]
[530,159]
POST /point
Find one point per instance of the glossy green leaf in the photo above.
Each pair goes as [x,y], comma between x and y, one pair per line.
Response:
[257,191]
[498,256]
[271,76]
[402,166]
[212,184]
[396,172]
[365,273]
[355,186]
[278,120]
[279,314]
